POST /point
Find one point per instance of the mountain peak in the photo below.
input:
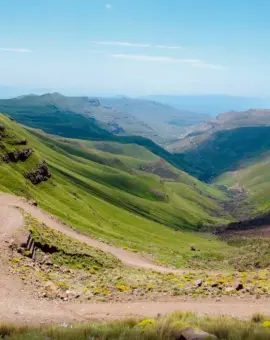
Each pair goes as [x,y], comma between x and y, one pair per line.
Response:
[53,94]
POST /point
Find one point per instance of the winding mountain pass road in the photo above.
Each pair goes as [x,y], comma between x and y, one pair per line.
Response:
[18,305]
[128,258]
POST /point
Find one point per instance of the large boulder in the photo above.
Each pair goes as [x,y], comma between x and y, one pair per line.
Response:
[190,333]
[18,155]
[39,175]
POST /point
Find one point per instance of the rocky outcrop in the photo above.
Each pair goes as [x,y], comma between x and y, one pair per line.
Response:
[18,155]
[39,175]
[19,142]
[2,128]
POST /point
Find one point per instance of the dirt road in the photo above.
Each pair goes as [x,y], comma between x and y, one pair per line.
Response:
[18,305]
[128,258]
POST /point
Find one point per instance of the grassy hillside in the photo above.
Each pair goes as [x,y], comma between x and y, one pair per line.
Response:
[254,178]
[118,202]
[226,151]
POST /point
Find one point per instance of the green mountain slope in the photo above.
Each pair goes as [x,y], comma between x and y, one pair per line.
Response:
[225,151]
[68,117]
[254,178]
[124,201]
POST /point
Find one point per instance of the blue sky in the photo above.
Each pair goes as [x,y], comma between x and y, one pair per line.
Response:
[137,47]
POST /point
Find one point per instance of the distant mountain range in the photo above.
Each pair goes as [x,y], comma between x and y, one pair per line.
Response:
[119,116]
[212,104]
[168,121]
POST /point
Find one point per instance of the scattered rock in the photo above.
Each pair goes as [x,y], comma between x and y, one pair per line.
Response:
[33,203]
[229,290]
[198,283]
[39,175]
[238,286]
[11,243]
[192,248]
[72,295]
[46,260]
[2,128]
[51,290]
[20,249]
[18,155]
[215,284]
[190,333]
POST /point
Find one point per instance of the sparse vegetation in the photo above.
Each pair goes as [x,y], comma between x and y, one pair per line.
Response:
[63,264]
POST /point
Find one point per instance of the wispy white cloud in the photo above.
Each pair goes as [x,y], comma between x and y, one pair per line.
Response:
[193,62]
[108,6]
[15,50]
[131,44]
[154,58]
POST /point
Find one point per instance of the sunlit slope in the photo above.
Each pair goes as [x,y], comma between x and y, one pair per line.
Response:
[254,178]
[144,175]
[128,207]
[226,150]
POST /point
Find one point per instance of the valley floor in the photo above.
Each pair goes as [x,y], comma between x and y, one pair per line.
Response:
[19,304]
